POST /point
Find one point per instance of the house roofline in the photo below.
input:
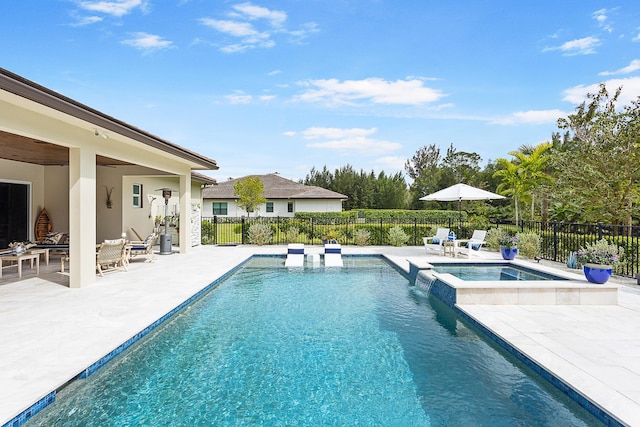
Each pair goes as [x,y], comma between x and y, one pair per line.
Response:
[32,91]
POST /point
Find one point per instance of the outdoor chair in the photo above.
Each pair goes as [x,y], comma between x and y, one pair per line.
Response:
[143,248]
[295,255]
[111,255]
[434,243]
[473,245]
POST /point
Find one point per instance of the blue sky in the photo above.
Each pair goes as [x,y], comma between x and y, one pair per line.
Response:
[285,85]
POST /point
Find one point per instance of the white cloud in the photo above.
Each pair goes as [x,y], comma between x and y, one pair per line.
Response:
[147,42]
[636,38]
[633,66]
[603,20]
[352,141]
[531,117]
[290,133]
[252,27]
[583,46]
[373,89]
[81,21]
[275,18]
[113,8]
[239,98]
[267,97]
[630,90]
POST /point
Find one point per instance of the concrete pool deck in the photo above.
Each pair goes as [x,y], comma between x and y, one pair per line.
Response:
[50,333]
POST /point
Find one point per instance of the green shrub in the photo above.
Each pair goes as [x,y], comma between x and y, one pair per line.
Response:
[260,234]
[493,237]
[293,235]
[529,244]
[362,237]
[397,236]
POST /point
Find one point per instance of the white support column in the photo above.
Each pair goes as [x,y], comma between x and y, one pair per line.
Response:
[185,213]
[82,216]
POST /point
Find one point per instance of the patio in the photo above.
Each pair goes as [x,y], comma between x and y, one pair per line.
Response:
[50,332]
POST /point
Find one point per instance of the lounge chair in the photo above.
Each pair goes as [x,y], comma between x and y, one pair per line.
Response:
[295,255]
[143,248]
[434,243]
[333,255]
[473,245]
[111,255]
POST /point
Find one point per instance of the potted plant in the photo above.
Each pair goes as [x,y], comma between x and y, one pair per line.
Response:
[331,236]
[508,246]
[598,260]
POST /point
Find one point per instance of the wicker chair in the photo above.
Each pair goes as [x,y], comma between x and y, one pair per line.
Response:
[111,255]
[144,248]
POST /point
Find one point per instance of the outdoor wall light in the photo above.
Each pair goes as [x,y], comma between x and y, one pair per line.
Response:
[102,134]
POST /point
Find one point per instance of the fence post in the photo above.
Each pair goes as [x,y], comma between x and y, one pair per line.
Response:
[415,231]
[312,232]
[380,231]
[522,225]
[555,240]
[599,231]
[215,229]
[242,230]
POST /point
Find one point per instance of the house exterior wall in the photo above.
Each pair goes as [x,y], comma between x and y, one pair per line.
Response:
[143,219]
[280,207]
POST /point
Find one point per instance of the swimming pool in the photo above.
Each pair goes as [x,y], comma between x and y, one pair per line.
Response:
[492,271]
[272,346]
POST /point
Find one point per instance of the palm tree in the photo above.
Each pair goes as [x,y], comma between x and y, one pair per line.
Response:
[523,175]
[534,161]
[512,183]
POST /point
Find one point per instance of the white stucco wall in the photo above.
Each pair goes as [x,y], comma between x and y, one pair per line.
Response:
[143,219]
[280,207]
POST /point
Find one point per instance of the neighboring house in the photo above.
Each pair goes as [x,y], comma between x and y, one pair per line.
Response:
[97,176]
[284,198]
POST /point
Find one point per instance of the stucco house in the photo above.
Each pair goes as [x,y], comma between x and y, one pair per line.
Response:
[97,176]
[284,198]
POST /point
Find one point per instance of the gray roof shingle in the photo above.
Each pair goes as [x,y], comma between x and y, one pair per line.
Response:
[275,187]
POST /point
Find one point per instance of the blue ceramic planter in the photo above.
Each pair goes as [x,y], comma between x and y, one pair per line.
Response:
[508,253]
[597,273]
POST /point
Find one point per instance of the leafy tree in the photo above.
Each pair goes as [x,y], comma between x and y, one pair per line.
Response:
[424,169]
[512,183]
[365,190]
[600,171]
[460,166]
[525,175]
[250,192]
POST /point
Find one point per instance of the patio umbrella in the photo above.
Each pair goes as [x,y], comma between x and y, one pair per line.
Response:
[461,192]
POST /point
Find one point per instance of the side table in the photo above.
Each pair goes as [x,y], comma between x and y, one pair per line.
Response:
[19,258]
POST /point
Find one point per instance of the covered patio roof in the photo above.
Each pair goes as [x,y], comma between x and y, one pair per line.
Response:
[42,127]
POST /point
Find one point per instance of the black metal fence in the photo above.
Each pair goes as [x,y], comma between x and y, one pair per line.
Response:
[558,239]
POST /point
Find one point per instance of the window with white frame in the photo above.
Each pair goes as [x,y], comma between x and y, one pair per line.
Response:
[219,208]
[137,195]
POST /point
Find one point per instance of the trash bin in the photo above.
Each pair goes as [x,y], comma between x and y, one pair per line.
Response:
[165,244]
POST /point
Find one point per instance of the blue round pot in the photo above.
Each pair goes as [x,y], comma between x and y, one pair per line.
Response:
[597,273]
[508,253]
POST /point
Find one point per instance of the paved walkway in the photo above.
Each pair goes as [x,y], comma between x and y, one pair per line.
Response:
[50,333]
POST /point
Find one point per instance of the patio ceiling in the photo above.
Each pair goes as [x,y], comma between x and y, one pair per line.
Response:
[28,150]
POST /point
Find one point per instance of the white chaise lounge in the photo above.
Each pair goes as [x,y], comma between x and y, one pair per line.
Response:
[333,255]
[295,255]
[434,243]
[473,245]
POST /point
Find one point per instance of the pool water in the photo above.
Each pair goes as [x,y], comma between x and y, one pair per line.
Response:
[307,347]
[501,272]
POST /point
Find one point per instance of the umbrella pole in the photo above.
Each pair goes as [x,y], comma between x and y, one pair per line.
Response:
[459,217]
